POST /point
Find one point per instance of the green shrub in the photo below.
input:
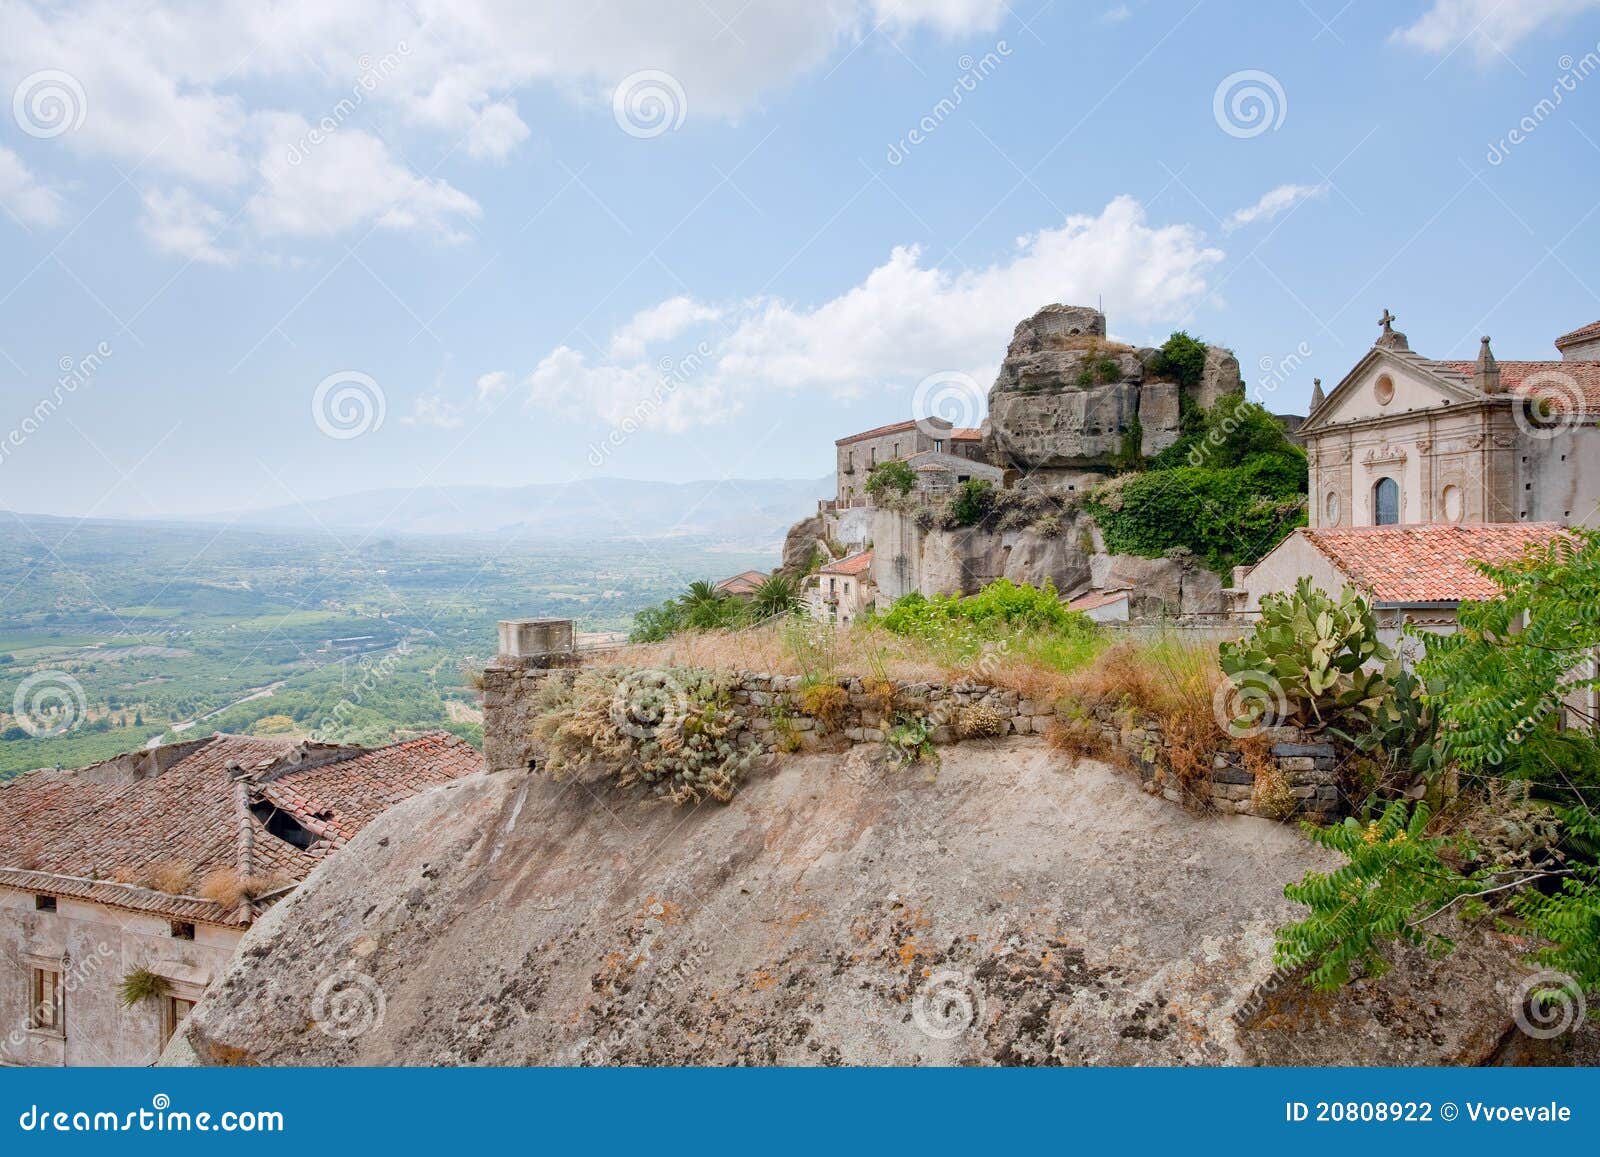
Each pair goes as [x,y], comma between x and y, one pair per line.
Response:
[140,985]
[1000,606]
[1181,359]
[972,501]
[893,476]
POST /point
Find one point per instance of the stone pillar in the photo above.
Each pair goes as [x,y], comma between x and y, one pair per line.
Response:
[529,650]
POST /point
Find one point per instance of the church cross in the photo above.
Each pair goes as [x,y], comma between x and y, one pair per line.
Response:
[1386,321]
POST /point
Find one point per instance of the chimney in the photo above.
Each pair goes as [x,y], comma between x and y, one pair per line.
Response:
[1316,394]
[1486,374]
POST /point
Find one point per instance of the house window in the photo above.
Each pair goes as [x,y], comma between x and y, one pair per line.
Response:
[45,903]
[1386,502]
[938,445]
[47,1002]
[182,930]
[176,1010]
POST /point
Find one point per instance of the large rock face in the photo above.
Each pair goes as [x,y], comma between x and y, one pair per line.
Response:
[1017,909]
[906,558]
[1065,399]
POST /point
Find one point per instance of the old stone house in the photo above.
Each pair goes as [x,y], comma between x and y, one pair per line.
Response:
[1409,439]
[156,862]
[857,454]
[842,590]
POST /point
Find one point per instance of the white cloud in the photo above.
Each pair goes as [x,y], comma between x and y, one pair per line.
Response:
[200,94]
[903,321]
[317,188]
[1116,15]
[24,196]
[435,411]
[1272,202]
[492,386]
[179,223]
[1491,27]
[659,323]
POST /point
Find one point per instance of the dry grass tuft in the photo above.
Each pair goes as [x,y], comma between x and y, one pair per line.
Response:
[826,703]
[976,721]
[227,887]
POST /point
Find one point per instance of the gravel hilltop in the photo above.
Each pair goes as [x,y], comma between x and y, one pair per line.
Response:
[1017,909]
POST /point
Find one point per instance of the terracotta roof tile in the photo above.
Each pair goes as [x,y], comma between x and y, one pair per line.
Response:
[854,564]
[893,428]
[1097,599]
[1565,385]
[966,434]
[1582,333]
[1427,563]
[197,803]
[743,583]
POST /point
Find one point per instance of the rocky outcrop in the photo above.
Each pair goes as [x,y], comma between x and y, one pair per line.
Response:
[1066,399]
[907,558]
[800,545]
[1014,909]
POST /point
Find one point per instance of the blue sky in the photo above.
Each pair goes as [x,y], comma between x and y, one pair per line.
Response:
[224,217]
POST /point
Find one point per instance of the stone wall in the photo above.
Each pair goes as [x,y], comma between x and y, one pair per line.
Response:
[1300,772]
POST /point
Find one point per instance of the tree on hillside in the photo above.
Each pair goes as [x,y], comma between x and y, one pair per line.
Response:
[777,595]
[704,606]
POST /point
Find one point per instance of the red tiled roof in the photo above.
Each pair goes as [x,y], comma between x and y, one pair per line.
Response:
[966,434]
[853,564]
[743,583]
[1582,333]
[206,804]
[1097,599]
[894,428]
[1427,563]
[1564,385]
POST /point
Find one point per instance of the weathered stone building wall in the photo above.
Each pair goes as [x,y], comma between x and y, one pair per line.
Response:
[1301,769]
[93,947]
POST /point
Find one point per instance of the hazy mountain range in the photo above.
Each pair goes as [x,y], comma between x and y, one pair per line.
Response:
[745,511]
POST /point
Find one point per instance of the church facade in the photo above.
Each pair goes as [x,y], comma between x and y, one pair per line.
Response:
[1406,439]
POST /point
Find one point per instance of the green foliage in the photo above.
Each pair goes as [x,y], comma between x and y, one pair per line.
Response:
[1131,456]
[1570,918]
[1232,433]
[1227,517]
[997,607]
[674,731]
[1316,649]
[1181,359]
[1503,675]
[1103,370]
[894,476]
[972,501]
[658,623]
[908,741]
[139,985]
[777,595]
[1394,878]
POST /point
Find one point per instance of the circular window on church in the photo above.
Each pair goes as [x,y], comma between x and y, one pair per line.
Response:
[1383,390]
[1330,508]
[1452,503]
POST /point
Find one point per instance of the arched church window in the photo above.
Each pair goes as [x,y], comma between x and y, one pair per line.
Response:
[1452,503]
[1386,502]
[1330,509]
